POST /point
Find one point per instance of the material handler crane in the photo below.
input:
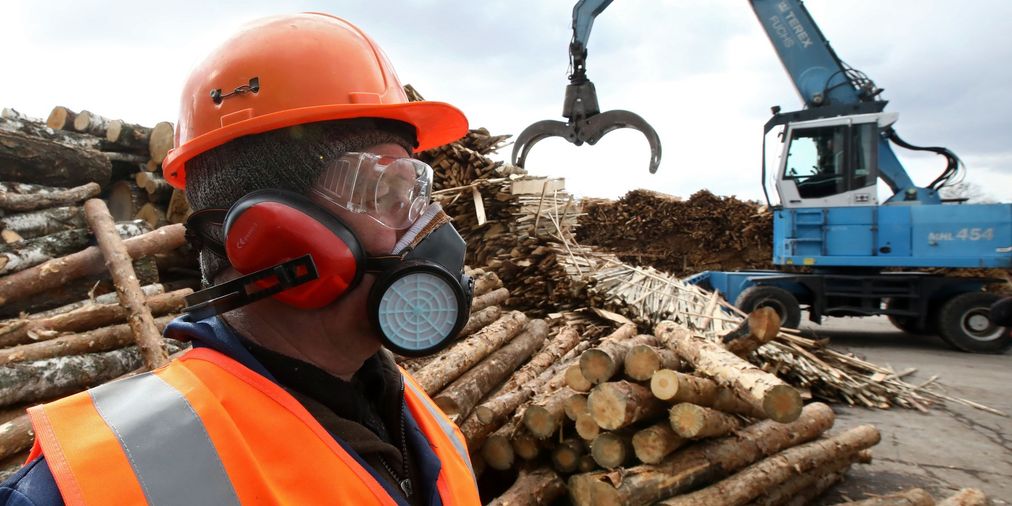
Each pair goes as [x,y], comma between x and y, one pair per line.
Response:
[838,251]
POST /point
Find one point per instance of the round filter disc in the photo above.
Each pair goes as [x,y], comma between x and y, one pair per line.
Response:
[418,311]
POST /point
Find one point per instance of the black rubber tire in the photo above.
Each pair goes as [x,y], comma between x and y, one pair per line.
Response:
[964,322]
[782,301]
[909,324]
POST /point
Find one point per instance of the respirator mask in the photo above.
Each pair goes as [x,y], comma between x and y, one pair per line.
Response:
[288,247]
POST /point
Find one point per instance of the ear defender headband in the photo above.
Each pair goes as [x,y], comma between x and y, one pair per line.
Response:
[289,248]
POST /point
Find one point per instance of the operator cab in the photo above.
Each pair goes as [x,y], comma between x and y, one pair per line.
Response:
[831,162]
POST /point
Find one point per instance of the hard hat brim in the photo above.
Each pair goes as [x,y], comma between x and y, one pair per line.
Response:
[436,124]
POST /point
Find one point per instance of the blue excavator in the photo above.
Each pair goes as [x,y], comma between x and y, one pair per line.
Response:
[837,250]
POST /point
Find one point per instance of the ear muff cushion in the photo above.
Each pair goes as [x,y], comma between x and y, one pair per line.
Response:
[268,227]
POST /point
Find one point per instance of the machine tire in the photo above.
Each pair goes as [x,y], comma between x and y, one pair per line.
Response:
[782,301]
[909,325]
[964,323]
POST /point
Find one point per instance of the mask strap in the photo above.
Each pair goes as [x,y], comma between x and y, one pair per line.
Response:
[432,218]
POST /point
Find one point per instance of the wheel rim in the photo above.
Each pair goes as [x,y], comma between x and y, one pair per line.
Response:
[976,324]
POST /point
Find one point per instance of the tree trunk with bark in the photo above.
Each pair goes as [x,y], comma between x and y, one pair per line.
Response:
[130,136]
[493,298]
[485,283]
[540,486]
[146,334]
[749,483]
[56,272]
[479,320]
[43,222]
[601,363]
[644,360]
[71,291]
[23,197]
[16,436]
[655,442]
[699,464]
[45,379]
[89,317]
[778,400]
[32,252]
[459,358]
[797,486]
[459,398]
[620,404]
[104,339]
[27,159]
[696,422]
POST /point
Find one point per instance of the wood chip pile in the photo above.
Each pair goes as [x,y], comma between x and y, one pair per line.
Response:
[680,237]
[62,326]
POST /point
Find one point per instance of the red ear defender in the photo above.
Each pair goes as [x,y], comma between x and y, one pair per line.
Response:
[268,227]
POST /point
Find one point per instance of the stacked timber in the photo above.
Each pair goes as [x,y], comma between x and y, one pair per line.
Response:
[91,270]
[76,149]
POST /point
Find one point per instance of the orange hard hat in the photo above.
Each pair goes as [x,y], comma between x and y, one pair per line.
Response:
[288,70]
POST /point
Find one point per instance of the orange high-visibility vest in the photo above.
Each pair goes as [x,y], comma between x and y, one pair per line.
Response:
[204,429]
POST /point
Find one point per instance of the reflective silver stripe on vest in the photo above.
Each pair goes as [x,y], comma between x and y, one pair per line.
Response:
[165,441]
[438,416]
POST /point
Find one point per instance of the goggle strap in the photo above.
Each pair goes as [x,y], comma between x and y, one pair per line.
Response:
[251,288]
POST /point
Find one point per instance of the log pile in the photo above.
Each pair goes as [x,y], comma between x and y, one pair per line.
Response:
[78,226]
[705,232]
[577,374]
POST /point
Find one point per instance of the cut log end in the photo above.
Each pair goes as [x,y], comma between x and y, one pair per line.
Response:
[611,450]
[498,452]
[576,380]
[695,422]
[540,421]
[783,404]
[586,427]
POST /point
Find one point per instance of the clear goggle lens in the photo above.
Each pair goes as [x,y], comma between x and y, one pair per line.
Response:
[392,191]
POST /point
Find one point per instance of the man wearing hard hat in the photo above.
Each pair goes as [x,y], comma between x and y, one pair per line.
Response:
[316,230]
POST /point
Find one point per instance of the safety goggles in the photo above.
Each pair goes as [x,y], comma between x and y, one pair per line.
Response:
[392,191]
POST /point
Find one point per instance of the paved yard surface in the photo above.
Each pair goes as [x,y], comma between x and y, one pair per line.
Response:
[941,451]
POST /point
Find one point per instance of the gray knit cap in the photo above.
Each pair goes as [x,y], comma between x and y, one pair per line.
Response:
[289,159]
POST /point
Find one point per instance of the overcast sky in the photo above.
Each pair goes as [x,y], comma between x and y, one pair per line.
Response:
[701,71]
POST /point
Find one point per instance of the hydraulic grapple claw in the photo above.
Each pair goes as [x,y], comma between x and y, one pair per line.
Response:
[535,133]
[596,126]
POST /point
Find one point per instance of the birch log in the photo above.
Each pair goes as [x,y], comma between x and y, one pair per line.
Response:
[56,272]
[21,197]
[27,159]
